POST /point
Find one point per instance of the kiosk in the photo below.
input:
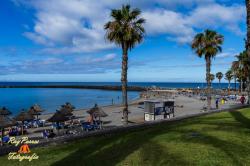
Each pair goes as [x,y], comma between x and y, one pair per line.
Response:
[158,109]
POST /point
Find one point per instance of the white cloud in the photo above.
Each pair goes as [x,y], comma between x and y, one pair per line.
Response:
[215,15]
[51,65]
[92,60]
[38,38]
[168,22]
[181,27]
[76,26]
[73,27]
[52,61]
[226,55]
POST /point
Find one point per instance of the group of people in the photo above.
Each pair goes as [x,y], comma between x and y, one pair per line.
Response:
[223,101]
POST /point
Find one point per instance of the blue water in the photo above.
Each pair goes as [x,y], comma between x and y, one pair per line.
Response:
[50,99]
[16,99]
[143,84]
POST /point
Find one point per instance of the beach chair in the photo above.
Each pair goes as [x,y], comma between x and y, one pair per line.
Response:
[6,139]
[97,124]
[54,126]
[87,126]
[45,134]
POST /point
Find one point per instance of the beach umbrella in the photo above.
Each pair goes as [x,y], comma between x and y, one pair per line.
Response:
[97,112]
[68,106]
[65,112]
[35,110]
[58,117]
[4,111]
[24,116]
[5,122]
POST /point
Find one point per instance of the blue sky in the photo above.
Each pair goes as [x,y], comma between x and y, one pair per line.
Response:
[63,40]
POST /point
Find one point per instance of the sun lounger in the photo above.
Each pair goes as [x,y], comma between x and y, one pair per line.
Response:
[6,139]
[88,127]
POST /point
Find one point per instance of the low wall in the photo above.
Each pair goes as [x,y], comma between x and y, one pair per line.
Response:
[112,131]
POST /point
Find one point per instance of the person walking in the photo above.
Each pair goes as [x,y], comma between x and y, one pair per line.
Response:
[217,103]
[242,99]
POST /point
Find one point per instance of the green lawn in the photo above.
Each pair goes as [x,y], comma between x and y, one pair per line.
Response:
[218,139]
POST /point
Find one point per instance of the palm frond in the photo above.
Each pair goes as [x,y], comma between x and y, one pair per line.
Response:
[126,27]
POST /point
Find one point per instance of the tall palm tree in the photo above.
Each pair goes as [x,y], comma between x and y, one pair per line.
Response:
[235,69]
[219,76]
[125,30]
[248,43]
[243,66]
[241,78]
[229,77]
[208,44]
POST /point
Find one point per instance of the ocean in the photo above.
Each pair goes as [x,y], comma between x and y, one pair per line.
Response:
[50,99]
[143,84]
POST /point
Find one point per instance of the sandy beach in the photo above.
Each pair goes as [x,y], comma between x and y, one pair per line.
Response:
[184,105]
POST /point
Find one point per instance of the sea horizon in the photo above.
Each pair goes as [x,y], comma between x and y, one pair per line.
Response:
[111,83]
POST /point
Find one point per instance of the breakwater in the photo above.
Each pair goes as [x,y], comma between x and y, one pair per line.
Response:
[104,87]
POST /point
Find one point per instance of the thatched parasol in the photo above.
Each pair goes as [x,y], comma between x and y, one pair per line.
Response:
[35,110]
[4,111]
[97,111]
[68,106]
[65,112]
[5,122]
[58,117]
[24,116]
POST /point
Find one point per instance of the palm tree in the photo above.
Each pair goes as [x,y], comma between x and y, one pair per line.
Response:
[211,77]
[229,77]
[219,76]
[241,78]
[243,67]
[208,44]
[125,30]
[235,69]
[247,45]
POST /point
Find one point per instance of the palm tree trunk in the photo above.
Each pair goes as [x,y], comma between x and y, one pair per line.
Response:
[57,128]
[22,126]
[229,86]
[219,84]
[208,68]
[241,86]
[2,130]
[248,42]
[248,89]
[124,84]
[235,88]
